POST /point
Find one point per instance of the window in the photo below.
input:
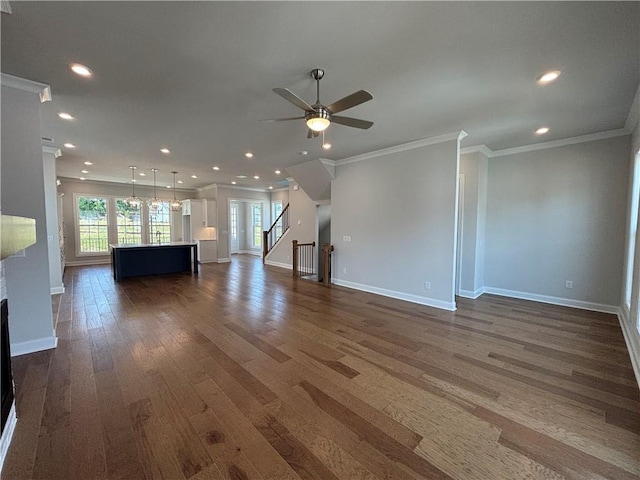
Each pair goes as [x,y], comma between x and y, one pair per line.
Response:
[92,226]
[277,210]
[128,223]
[256,217]
[160,224]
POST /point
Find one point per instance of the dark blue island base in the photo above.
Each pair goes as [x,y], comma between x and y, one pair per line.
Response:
[153,259]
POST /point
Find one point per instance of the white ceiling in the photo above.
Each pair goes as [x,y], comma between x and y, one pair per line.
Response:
[197,76]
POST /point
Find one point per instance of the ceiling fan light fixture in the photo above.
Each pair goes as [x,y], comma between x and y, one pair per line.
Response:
[318,121]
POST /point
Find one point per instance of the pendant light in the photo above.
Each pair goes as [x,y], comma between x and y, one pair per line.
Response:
[175,205]
[154,203]
[133,201]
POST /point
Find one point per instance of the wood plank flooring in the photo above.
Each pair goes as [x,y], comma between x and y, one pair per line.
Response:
[244,372]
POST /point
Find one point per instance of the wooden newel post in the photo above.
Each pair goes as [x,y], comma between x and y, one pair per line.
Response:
[326,263]
[295,257]
[265,244]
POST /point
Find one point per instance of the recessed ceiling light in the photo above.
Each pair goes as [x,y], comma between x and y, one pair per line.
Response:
[166,151]
[256,177]
[304,152]
[194,176]
[84,171]
[542,130]
[277,172]
[134,180]
[241,176]
[326,145]
[216,168]
[142,174]
[168,186]
[548,77]
[270,187]
[81,70]
[69,145]
[179,181]
[248,155]
[65,116]
[233,183]
[88,163]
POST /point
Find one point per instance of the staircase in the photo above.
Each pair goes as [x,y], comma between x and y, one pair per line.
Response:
[277,230]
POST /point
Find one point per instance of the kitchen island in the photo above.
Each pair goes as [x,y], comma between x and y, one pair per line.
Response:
[133,260]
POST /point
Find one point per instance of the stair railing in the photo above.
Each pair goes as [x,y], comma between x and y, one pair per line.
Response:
[303,259]
[276,231]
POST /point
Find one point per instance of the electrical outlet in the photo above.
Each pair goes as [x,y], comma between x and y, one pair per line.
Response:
[427,285]
[344,269]
[346,238]
[569,284]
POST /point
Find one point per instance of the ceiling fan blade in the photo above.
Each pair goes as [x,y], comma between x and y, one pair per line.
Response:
[280,119]
[293,98]
[351,122]
[349,101]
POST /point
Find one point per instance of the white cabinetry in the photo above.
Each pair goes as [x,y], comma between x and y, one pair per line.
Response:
[207,251]
[209,213]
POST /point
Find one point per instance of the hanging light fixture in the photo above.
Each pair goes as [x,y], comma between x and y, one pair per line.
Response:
[326,145]
[175,205]
[154,203]
[133,201]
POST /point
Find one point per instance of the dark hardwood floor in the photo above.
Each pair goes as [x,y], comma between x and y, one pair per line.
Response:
[246,373]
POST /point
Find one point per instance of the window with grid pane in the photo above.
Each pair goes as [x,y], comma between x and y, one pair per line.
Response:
[256,213]
[160,224]
[93,225]
[128,223]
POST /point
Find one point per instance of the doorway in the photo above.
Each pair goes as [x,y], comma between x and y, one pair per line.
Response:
[234,244]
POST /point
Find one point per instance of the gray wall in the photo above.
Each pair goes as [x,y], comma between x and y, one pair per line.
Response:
[399,210]
[223,196]
[27,279]
[559,214]
[70,187]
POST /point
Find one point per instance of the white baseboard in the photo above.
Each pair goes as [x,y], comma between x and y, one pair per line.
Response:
[278,264]
[565,302]
[57,290]
[430,302]
[632,339]
[257,253]
[224,260]
[9,428]
[207,261]
[83,263]
[470,294]
[31,346]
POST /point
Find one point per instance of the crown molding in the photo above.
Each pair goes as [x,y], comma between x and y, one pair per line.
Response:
[55,151]
[634,113]
[28,86]
[128,184]
[483,149]
[403,147]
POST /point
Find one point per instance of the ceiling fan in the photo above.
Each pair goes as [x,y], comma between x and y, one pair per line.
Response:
[318,116]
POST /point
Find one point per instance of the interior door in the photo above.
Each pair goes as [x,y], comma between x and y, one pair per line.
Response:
[233,228]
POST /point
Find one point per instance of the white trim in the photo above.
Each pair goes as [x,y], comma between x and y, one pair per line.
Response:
[7,435]
[84,263]
[233,187]
[403,147]
[565,302]
[43,90]
[207,261]
[57,290]
[483,149]
[592,137]
[31,346]
[632,347]
[224,260]
[55,151]
[328,162]
[634,113]
[278,264]
[189,191]
[470,294]
[430,302]
[257,253]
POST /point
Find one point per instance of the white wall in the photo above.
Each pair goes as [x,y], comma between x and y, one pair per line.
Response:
[27,279]
[400,211]
[49,155]
[558,214]
[474,167]
[70,187]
